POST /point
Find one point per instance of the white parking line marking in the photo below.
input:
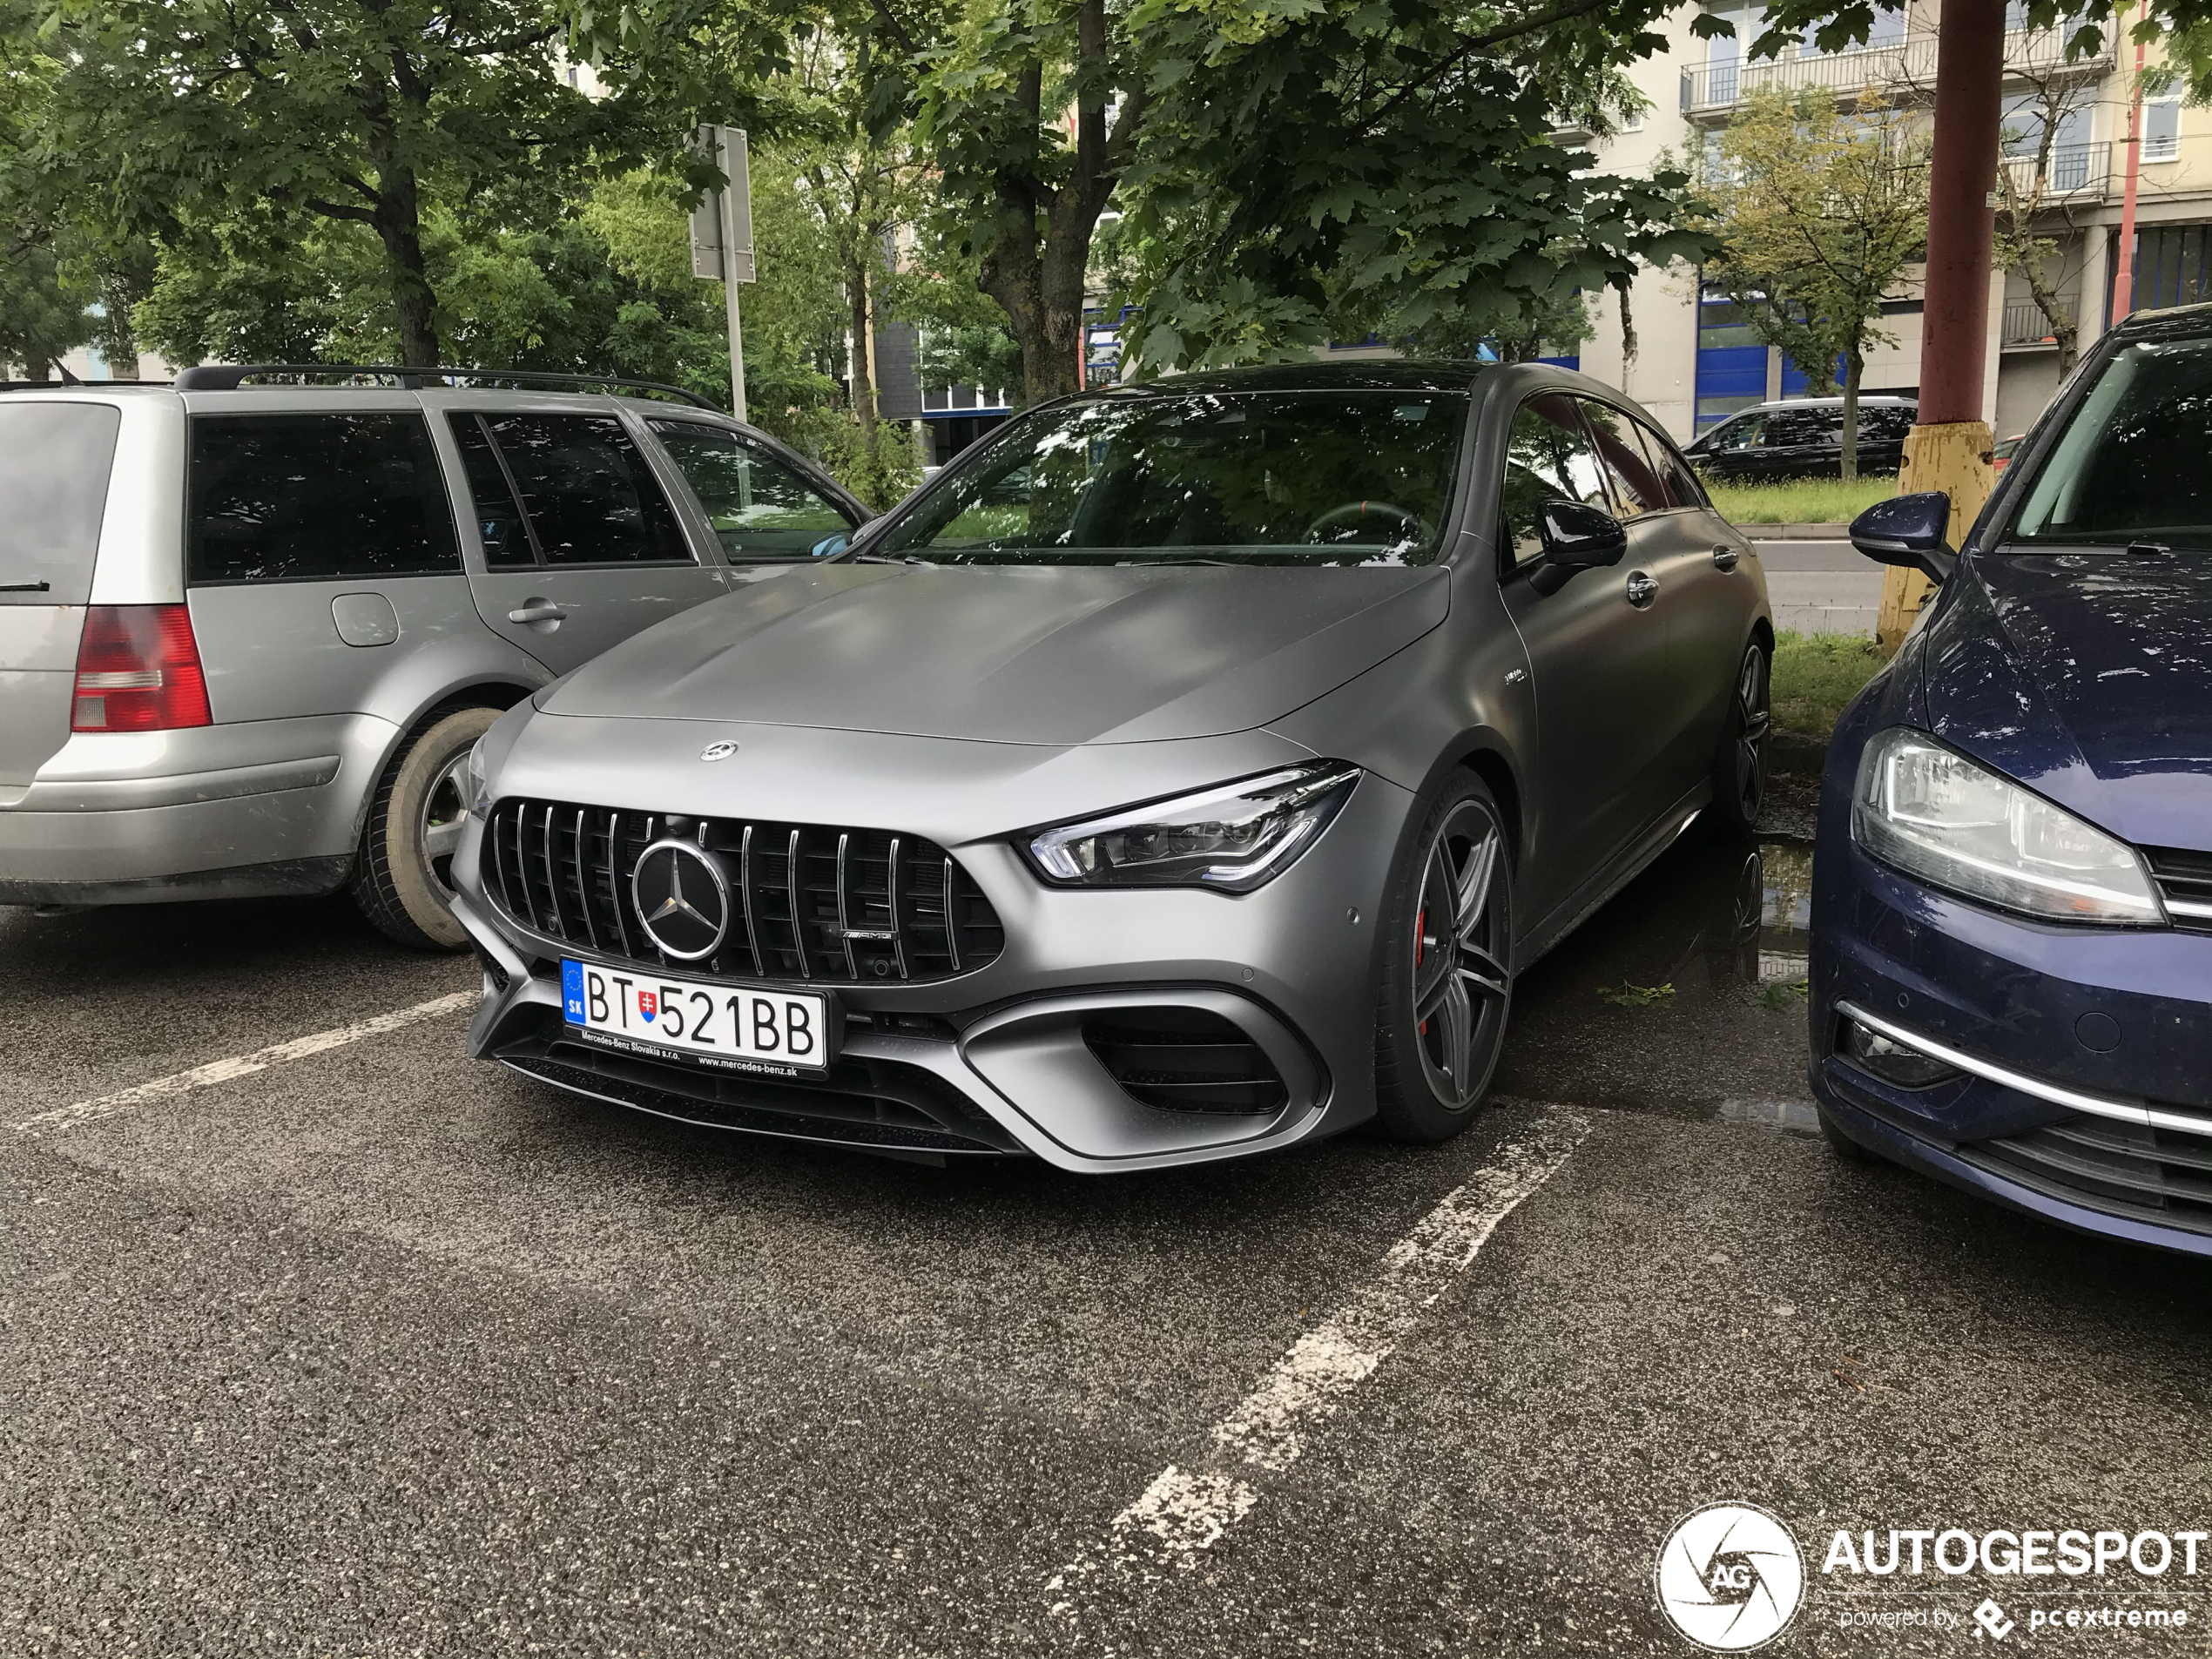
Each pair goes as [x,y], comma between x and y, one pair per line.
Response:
[1185,1512]
[245,1065]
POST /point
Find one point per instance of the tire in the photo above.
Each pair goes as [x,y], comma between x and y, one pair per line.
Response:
[1846,1150]
[1438,1030]
[1740,762]
[402,881]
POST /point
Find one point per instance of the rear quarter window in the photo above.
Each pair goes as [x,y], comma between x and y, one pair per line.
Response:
[55,459]
[316,497]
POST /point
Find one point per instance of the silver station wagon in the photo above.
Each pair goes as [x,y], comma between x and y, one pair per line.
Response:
[248,634]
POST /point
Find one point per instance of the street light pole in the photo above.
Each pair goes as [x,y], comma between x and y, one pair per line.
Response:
[2123,275]
[722,238]
[730,280]
[1949,448]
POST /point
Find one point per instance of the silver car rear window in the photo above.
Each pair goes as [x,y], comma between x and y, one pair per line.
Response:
[54,463]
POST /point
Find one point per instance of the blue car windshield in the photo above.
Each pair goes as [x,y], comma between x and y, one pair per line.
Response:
[2129,466]
[1293,477]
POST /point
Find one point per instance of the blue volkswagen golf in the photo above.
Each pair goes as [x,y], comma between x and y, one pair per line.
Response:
[2012,921]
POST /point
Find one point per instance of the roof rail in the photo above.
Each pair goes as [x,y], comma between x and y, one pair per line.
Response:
[227,377]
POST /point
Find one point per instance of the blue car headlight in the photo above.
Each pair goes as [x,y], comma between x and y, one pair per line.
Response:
[1934,813]
[1231,837]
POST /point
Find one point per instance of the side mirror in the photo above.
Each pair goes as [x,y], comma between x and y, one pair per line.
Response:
[1908,530]
[1577,537]
[830,544]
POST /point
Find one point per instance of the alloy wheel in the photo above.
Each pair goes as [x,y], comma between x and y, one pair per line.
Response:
[1753,719]
[445,815]
[1461,984]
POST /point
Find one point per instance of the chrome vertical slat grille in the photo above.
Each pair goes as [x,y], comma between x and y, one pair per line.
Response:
[835,904]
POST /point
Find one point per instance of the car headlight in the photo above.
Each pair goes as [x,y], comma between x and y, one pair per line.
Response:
[479,780]
[1935,815]
[1231,837]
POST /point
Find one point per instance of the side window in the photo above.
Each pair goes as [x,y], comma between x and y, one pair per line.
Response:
[499,515]
[1548,458]
[307,497]
[1636,488]
[760,508]
[1674,474]
[1884,424]
[589,495]
[1743,433]
[1797,428]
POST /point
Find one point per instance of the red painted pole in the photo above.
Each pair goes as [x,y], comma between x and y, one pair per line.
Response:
[1954,328]
[2123,277]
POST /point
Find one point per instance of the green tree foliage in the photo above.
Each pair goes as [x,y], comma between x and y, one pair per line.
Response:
[41,313]
[192,118]
[1285,168]
[1818,212]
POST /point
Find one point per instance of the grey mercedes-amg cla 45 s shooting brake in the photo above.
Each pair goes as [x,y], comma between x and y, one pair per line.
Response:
[1184,772]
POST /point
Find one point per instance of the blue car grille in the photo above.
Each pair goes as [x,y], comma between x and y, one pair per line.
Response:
[850,906]
[2153,1175]
[2184,878]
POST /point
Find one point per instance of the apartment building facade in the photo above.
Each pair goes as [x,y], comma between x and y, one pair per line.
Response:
[1696,362]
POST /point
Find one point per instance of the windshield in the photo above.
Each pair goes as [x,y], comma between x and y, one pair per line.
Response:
[1330,477]
[2130,464]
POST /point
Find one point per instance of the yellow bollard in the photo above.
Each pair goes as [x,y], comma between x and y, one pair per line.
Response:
[1955,459]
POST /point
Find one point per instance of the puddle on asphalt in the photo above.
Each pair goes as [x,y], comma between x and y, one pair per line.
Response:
[1685,996]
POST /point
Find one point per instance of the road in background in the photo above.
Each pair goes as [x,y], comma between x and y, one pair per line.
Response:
[1820,587]
[375,1350]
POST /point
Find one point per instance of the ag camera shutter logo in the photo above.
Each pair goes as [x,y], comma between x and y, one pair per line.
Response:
[1731,1577]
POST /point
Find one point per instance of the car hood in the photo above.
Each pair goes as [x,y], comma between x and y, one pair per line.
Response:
[1041,654]
[2087,677]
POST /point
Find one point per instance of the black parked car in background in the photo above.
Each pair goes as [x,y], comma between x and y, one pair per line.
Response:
[1803,438]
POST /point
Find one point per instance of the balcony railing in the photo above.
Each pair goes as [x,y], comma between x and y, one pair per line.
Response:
[2070,171]
[2025,325]
[1907,65]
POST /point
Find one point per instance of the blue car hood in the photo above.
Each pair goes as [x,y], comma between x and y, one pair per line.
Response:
[2087,677]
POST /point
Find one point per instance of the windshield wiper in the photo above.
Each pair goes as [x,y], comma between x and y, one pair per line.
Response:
[1194,559]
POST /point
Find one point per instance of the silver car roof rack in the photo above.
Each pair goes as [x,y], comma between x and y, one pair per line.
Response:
[227,377]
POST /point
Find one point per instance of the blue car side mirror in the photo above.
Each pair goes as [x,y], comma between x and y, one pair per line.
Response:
[830,544]
[1908,530]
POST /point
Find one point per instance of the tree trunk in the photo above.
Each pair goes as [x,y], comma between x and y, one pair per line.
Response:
[1854,368]
[118,340]
[399,225]
[856,290]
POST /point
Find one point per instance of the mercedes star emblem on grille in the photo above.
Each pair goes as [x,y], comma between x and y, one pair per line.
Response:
[721,750]
[682,897]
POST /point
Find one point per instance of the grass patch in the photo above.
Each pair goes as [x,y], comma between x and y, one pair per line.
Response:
[1800,501]
[1815,675]
[1627,995]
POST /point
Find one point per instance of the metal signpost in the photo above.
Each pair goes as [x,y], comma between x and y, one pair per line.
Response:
[722,238]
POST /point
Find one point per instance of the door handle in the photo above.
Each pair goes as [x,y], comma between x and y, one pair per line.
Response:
[1641,589]
[534,611]
[1724,557]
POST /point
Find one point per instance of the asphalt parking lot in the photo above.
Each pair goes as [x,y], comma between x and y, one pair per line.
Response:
[371,1350]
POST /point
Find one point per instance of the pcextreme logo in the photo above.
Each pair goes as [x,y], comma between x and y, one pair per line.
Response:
[1731,1577]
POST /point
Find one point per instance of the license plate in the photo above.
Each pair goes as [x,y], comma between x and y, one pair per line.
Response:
[736,1028]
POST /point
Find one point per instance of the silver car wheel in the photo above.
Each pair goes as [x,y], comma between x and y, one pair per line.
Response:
[1462,985]
[444,816]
